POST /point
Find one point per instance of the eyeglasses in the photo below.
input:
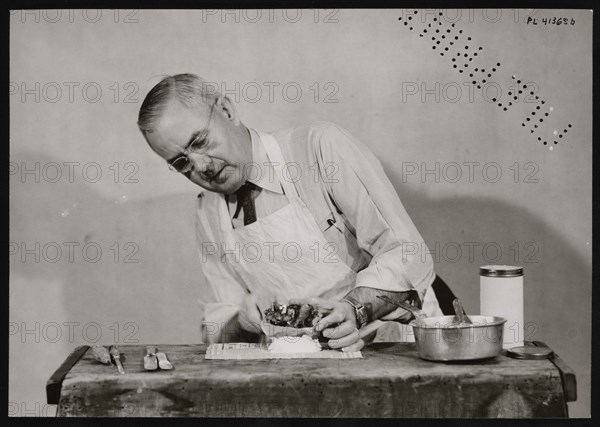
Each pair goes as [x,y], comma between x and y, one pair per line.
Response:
[182,163]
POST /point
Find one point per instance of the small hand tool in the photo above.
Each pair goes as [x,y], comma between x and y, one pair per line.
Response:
[163,362]
[150,362]
[461,318]
[114,352]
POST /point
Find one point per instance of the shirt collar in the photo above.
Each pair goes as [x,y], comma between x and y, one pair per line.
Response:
[262,171]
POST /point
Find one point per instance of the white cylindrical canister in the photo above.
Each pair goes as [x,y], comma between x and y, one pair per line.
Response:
[501,294]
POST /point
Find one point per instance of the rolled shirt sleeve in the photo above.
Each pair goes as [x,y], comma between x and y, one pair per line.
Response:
[367,199]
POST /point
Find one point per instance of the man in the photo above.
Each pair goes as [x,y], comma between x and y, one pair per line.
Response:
[304,214]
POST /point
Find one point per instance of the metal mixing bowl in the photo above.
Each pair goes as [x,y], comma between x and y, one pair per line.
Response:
[439,339]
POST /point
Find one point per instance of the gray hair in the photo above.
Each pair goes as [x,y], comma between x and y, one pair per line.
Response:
[189,89]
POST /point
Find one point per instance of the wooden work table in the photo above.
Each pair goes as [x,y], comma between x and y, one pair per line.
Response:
[389,381]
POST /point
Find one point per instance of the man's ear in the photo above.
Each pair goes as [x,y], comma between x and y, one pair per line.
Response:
[227,108]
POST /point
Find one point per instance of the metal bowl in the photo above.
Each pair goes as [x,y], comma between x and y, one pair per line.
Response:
[441,339]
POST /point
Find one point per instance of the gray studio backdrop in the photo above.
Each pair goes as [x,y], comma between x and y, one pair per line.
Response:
[102,246]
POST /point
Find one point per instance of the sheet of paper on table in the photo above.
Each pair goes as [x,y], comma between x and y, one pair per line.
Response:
[248,351]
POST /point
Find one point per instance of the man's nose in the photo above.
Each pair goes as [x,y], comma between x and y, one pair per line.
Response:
[202,164]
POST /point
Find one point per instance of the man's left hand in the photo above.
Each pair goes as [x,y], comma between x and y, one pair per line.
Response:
[338,323]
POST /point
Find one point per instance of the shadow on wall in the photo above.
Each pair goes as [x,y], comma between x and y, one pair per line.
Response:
[157,294]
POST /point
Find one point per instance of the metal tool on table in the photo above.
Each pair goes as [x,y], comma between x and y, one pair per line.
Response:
[443,339]
[114,352]
[150,360]
[155,359]
[163,362]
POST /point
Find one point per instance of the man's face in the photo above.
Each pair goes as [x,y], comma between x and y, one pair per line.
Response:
[220,152]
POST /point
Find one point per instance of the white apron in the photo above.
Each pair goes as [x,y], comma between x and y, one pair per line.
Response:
[285,255]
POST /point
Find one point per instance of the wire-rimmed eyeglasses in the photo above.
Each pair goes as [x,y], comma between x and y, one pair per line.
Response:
[182,163]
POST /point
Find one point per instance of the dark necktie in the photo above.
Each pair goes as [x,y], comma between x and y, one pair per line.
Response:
[246,202]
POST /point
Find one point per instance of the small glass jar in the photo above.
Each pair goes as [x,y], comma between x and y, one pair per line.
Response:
[501,294]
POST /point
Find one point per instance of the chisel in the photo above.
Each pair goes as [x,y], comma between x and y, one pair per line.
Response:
[114,352]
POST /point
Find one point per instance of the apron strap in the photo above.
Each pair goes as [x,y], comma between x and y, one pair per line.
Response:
[276,156]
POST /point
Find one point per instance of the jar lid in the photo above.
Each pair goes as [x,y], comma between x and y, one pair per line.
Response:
[500,271]
[530,352]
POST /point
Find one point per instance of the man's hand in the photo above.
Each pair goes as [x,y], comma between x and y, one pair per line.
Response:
[338,323]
